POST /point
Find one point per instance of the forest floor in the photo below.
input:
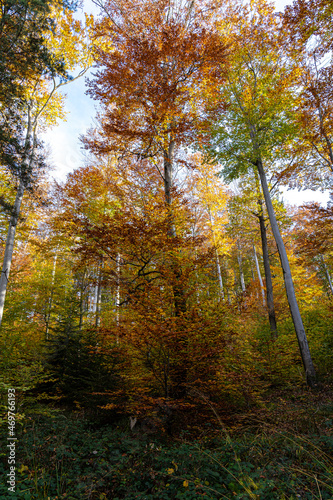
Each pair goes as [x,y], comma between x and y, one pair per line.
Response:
[280,449]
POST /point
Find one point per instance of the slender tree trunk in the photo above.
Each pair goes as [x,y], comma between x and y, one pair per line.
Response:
[49,308]
[82,300]
[259,275]
[218,267]
[240,265]
[81,309]
[7,260]
[96,305]
[94,302]
[168,163]
[178,290]
[289,285]
[178,372]
[117,298]
[27,165]
[219,274]
[327,273]
[226,281]
[268,275]
[98,298]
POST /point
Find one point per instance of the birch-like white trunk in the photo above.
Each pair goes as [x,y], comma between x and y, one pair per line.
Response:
[27,165]
[7,260]
[259,276]
[49,308]
[117,301]
[219,274]
[218,267]
[240,265]
[98,296]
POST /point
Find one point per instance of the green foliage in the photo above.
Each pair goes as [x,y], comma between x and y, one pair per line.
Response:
[318,325]
[68,459]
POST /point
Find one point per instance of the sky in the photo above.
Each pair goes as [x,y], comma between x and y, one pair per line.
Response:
[63,140]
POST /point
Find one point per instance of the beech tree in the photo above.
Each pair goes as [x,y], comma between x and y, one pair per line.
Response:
[261,90]
[308,24]
[211,196]
[151,60]
[248,212]
[148,82]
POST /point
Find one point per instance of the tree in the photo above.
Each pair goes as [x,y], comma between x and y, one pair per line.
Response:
[313,239]
[149,79]
[260,92]
[42,105]
[148,84]
[243,207]
[210,196]
[24,29]
[309,26]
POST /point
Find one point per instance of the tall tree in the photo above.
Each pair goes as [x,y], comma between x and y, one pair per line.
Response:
[43,105]
[149,76]
[309,26]
[24,51]
[147,82]
[260,92]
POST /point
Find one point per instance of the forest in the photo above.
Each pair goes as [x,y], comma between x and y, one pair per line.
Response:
[165,316]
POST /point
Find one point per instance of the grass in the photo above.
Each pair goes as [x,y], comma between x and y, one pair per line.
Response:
[65,457]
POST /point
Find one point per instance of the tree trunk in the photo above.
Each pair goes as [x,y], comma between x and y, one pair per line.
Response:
[98,304]
[178,371]
[117,298]
[240,265]
[48,316]
[178,291]
[327,273]
[218,267]
[81,309]
[289,285]
[268,275]
[259,276]
[7,260]
[226,281]
[27,165]
[168,163]
[82,287]
[219,274]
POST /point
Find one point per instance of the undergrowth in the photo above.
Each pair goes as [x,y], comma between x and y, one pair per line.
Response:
[63,457]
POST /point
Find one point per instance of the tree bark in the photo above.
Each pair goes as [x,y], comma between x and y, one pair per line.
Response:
[49,308]
[289,285]
[327,273]
[218,267]
[178,291]
[219,274]
[178,372]
[7,260]
[27,165]
[117,298]
[168,163]
[240,265]
[226,281]
[268,275]
[259,275]
[98,304]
